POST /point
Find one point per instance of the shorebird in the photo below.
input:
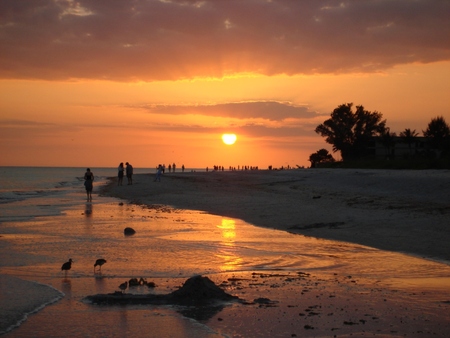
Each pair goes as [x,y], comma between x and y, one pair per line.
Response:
[123,286]
[66,266]
[99,262]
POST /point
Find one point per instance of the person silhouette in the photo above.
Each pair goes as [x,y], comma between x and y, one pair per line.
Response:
[129,172]
[158,173]
[120,173]
[88,183]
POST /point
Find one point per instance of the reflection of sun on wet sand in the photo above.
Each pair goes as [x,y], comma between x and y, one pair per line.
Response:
[405,211]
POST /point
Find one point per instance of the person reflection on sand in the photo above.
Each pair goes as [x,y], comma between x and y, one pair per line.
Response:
[88,210]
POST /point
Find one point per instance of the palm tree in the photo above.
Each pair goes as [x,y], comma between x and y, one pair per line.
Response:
[409,137]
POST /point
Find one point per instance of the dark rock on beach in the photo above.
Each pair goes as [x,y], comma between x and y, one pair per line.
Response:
[129,231]
[197,290]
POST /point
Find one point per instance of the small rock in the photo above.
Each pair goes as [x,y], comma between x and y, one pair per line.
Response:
[263,301]
[129,231]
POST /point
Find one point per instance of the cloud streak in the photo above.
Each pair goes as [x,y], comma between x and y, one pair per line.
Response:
[270,110]
[150,40]
[254,119]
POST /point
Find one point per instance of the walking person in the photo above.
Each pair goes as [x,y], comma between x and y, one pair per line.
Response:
[120,173]
[158,173]
[89,183]
[129,172]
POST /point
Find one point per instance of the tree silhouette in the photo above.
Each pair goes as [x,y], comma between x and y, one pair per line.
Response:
[349,132]
[438,131]
[409,137]
[388,140]
[438,136]
[320,156]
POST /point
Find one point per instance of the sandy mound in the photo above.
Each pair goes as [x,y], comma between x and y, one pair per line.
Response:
[196,290]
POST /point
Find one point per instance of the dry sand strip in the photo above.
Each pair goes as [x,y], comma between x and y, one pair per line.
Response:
[396,210]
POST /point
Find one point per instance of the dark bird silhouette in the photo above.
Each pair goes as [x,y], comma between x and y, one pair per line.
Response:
[123,286]
[66,266]
[99,262]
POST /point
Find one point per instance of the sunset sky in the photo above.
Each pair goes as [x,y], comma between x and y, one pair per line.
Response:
[99,82]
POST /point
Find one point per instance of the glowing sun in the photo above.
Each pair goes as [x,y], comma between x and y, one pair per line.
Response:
[229,138]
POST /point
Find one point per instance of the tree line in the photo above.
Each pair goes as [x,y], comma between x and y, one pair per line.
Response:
[352,132]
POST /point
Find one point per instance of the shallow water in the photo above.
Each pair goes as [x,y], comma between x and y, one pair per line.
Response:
[169,246]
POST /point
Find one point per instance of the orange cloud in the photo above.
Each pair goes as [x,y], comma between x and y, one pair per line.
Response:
[168,40]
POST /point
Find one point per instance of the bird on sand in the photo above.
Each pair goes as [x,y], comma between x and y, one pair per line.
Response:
[66,266]
[123,286]
[99,262]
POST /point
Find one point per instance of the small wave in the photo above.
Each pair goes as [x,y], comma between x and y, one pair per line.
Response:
[29,193]
[24,298]
[10,196]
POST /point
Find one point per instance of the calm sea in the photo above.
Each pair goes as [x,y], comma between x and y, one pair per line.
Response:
[33,183]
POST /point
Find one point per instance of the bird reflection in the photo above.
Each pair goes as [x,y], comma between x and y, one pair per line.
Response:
[66,287]
[100,284]
[200,313]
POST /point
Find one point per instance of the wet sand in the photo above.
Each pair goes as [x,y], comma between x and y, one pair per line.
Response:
[300,286]
[395,210]
[401,211]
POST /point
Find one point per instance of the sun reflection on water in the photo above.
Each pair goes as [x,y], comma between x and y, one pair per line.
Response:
[228,227]
[227,253]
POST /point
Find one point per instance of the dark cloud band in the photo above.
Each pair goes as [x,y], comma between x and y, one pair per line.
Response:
[152,40]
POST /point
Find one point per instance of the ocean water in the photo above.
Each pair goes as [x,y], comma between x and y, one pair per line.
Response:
[45,220]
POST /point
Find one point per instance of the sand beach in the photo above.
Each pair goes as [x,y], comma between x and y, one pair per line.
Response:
[308,253]
[396,210]
[392,212]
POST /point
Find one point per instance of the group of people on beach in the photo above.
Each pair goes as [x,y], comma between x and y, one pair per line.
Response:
[161,168]
[128,172]
[124,170]
[89,178]
[171,167]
